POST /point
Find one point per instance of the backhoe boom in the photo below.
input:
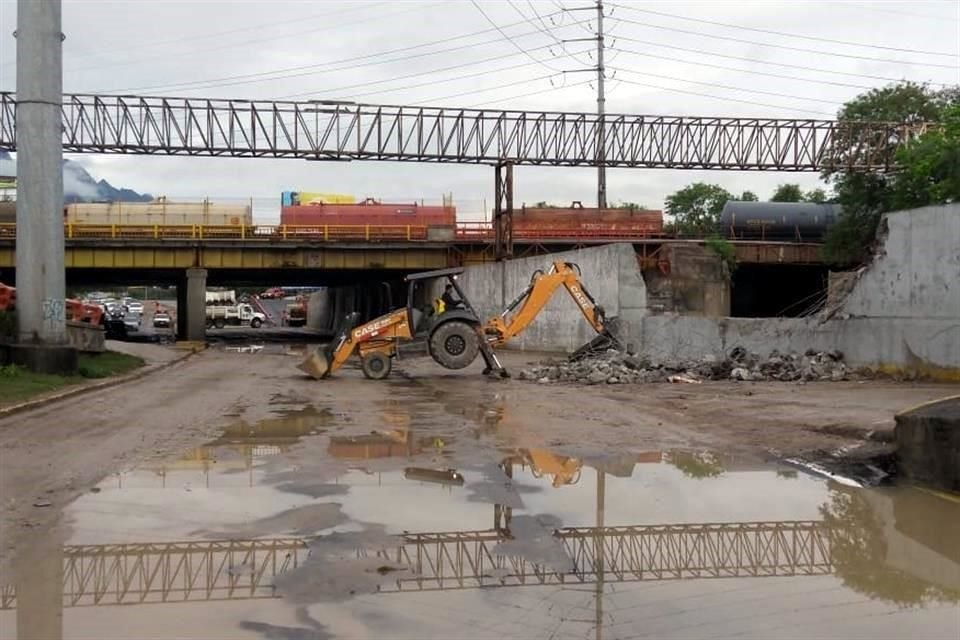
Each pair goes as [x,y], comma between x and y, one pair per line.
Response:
[527,306]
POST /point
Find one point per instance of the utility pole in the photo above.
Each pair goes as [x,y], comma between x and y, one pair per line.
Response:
[601,105]
[600,155]
[41,281]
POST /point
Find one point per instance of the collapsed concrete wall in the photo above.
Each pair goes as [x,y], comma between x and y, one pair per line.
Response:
[610,273]
[901,315]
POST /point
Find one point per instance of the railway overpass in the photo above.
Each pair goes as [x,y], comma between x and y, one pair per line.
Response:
[192,257]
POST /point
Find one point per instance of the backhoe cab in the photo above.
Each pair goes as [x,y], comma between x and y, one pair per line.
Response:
[454,336]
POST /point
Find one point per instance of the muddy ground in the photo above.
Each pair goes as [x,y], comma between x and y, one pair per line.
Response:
[52,455]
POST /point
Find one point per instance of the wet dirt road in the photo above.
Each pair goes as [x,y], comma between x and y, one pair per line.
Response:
[228,497]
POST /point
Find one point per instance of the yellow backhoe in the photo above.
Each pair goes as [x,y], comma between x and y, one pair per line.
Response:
[454,334]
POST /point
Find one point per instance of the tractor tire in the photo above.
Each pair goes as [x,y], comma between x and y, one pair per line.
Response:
[219,323]
[255,323]
[454,344]
[376,366]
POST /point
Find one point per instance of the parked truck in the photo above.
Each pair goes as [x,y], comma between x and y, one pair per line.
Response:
[242,314]
[223,309]
[296,314]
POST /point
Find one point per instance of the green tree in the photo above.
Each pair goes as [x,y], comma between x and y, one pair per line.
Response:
[866,196]
[749,196]
[858,549]
[787,193]
[817,195]
[696,208]
[930,166]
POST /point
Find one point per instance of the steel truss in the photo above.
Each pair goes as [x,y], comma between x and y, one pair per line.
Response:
[183,571]
[319,130]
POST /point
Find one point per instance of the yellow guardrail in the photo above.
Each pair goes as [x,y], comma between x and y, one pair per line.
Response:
[325,232]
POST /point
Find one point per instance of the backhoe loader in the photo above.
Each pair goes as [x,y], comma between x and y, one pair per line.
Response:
[453,336]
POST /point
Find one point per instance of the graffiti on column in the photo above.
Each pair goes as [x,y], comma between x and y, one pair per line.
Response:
[53,314]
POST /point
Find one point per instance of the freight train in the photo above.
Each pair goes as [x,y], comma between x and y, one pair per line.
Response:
[797,221]
[332,218]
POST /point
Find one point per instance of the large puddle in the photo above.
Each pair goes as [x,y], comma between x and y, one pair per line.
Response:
[304,526]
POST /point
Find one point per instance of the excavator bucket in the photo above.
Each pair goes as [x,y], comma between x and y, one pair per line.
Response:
[317,364]
[606,340]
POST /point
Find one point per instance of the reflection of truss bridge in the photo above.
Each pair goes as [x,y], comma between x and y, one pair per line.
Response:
[629,554]
[318,131]
[144,573]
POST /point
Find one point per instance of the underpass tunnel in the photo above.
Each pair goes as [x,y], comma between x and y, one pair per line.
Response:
[777,290]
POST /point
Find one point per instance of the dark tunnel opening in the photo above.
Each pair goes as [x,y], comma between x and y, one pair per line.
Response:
[778,290]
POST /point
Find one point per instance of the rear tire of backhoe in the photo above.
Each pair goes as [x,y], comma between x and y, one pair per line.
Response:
[454,344]
[376,366]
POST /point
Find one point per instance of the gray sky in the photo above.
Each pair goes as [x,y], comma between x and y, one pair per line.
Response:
[663,58]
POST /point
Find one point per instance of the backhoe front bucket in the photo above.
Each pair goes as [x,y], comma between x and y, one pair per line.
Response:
[317,364]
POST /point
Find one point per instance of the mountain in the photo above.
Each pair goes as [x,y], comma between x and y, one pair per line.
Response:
[79,185]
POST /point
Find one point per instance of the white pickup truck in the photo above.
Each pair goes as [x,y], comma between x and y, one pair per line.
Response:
[241,314]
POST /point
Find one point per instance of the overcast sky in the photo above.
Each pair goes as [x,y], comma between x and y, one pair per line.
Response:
[662,57]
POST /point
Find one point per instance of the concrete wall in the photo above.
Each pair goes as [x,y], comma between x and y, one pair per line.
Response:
[901,315]
[697,283]
[86,337]
[610,274]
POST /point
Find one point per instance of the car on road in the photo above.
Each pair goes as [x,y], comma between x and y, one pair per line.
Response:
[135,306]
[161,320]
[131,321]
[274,293]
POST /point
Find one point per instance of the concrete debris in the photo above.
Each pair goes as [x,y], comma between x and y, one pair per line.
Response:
[618,367]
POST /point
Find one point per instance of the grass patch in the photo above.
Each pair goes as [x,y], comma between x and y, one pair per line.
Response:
[17,384]
[106,364]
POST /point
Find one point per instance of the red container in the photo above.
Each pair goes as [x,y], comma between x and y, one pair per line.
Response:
[369,213]
[586,222]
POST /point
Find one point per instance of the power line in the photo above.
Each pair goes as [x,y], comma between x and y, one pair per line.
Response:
[247,43]
[724,99]
[484,72]
[784,33]
[434,100]
[411,75]
[785,47]
[757,61]
[325,67]
[738,70]
[508,38]
[111,48]
[546,32]
[532,93]
[727,86]
[896,12]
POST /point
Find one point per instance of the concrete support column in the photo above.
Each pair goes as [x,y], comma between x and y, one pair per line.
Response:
[195,310]
[40,266]
[40,591]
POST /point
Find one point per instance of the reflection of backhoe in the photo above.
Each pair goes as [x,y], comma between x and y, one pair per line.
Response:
[453,336]
[563,469]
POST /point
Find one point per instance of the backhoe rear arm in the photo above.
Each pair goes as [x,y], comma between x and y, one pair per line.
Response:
[535,297]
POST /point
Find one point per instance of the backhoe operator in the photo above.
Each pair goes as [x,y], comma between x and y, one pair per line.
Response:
[449,300]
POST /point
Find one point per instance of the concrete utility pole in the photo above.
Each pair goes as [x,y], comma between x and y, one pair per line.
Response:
[601,106]
[41,285]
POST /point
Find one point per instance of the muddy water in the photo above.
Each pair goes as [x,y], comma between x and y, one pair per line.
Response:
[309,524]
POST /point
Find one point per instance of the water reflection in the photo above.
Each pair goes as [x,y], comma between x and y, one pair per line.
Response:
[583,528]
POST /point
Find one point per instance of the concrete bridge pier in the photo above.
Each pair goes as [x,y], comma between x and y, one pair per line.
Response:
[192,305]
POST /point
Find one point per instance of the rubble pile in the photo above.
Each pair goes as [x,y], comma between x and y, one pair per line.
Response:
[618,367]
